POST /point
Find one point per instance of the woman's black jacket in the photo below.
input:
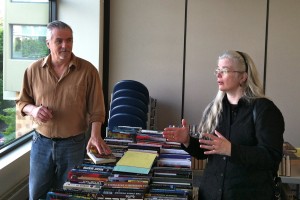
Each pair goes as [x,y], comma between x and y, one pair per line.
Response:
[256,152]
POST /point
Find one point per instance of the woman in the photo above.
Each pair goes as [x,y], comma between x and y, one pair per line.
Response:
[241,135]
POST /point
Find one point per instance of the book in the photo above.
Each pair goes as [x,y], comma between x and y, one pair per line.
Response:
[170,186]
[172,180]
[288,147]
[175,156]
[74,176]
[125,184]
[72,194]
[92,167]
[101,158]
[292,164]
[149,196]
[173,150]
[81,172]
[145,131]
[173,170]
[120,196]
[179,163]
[132,190]
[120,141]
[169,191]
[82,187]
[128,179]
[150,137]
[120,135]
[135,162]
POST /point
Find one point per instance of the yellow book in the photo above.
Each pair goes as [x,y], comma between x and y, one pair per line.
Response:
[135,162]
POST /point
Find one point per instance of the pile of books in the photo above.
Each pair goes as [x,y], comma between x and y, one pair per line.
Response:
[170,183]
[83,182]
[143,165]
[172,175]
[290,164]
[119,137]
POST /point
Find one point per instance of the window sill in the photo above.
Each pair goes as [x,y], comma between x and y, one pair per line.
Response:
[10,157]
[14,170]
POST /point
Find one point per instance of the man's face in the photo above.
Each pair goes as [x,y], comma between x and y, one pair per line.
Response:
[61,44]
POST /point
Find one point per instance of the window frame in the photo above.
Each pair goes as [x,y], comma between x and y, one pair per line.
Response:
[12,41]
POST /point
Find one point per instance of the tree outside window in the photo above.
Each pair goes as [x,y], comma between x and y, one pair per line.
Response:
[8,108]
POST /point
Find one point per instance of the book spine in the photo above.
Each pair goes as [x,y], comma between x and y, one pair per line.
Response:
[151,132]
[93,167]
[128,179]
[123,190]
[106,172]
[81,187]
[121,196]
[125,185]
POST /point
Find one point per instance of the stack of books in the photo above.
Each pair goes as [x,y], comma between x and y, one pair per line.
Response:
[198,164]
[130,177]
[170,183]
[290,164]
[125,186]
[84,182]
[172,155]
[150,137]
[143,165]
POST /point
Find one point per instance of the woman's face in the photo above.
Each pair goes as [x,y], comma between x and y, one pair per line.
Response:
[229,78]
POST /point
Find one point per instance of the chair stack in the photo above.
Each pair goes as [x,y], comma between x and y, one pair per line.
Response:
[129,105]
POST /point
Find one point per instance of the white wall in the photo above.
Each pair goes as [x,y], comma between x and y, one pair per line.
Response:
[146,45]
[211,30]
[283,69]
[86,20]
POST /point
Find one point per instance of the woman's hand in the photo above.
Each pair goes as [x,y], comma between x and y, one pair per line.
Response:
[215,144]
[178,134]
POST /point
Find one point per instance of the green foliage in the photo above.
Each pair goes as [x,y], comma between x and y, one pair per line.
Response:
[1,90]
[8,110]
[9,119]
[1,48]
[32,48]
[1,40]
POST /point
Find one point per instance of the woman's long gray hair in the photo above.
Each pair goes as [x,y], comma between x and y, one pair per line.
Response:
[252,88]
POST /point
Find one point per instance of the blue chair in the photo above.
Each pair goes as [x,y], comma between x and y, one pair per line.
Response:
[130,93]
[129,101]
[133,85]
[129,109]
[124,119]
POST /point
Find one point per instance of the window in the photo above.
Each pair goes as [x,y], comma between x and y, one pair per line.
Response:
[22,40]
[28,42]
[30,1]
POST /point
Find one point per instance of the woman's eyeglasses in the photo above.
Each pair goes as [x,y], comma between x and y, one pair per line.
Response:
[225,71]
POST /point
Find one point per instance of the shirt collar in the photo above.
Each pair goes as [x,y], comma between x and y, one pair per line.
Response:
[73,62]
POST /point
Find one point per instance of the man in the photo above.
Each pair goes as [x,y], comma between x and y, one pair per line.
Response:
[63,95]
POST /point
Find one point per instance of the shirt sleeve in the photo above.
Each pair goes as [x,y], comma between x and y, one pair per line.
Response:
[96,107]
[25,96]
[194,149]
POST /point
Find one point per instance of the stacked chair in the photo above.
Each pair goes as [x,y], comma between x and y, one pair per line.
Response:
[129,105]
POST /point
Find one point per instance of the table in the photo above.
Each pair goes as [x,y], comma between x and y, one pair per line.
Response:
[292,180]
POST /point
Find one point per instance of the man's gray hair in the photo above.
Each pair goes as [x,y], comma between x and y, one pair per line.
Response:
[56,25]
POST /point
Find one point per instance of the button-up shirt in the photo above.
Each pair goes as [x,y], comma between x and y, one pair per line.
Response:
[76,98]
